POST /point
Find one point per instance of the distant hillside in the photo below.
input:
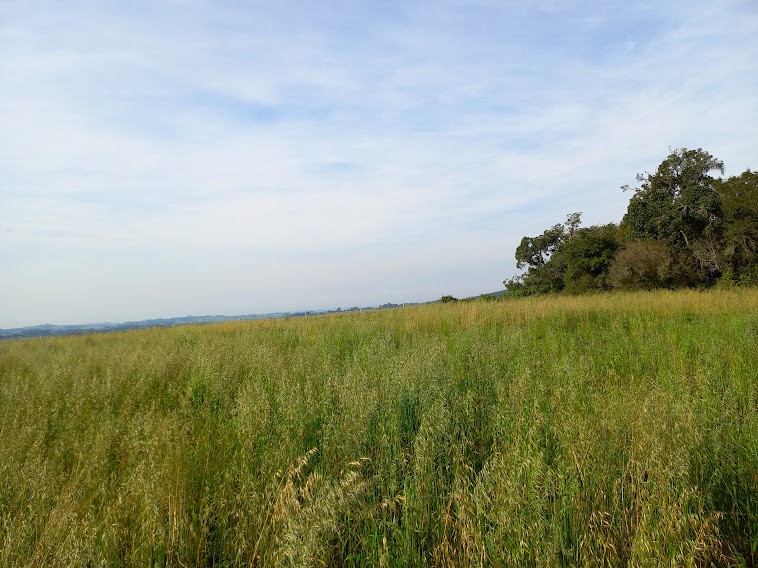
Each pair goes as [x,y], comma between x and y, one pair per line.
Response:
[48,330]
[51,330]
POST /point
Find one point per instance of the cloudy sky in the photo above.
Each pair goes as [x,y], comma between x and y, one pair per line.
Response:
[171,157]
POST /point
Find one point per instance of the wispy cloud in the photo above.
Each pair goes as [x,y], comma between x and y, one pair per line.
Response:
[188,156]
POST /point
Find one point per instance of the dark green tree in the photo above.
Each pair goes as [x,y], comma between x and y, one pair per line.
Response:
[679,206]
[588,257]
[678,201]
[535,252]
[540,254]
[734,247]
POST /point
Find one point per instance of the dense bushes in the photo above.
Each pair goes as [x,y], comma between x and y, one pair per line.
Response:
[640,265]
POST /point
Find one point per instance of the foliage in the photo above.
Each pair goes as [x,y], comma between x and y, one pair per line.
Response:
[616,430]
[736,249]
[682,228]
[535,252]
[540,254]
[517,288]
[678,201]
[642,265]
[678,205]
[588,257]
[566,257]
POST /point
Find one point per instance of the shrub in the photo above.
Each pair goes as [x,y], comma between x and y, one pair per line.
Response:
[642,265]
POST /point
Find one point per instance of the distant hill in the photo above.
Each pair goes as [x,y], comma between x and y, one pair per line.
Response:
[51,330]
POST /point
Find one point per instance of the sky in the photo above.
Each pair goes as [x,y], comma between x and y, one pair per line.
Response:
[170,157]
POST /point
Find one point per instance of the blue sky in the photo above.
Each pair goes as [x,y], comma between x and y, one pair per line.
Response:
[178,157]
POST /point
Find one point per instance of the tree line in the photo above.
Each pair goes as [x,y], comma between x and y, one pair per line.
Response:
[682,228]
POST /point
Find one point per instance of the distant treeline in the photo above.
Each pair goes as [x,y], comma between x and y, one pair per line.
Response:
[683,228]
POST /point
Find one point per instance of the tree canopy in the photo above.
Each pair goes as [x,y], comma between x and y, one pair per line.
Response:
[682,227]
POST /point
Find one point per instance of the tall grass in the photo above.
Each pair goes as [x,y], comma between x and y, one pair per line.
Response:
[612,430]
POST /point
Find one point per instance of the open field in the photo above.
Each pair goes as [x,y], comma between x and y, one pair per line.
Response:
[609,430]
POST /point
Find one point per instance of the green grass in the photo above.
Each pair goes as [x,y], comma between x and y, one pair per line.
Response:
[611,430]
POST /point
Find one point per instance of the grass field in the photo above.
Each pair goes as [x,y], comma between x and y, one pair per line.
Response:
[609,430]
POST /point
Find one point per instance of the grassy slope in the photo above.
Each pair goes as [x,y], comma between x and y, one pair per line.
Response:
[606,430]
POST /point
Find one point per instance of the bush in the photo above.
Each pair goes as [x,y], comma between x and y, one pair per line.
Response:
[642,265]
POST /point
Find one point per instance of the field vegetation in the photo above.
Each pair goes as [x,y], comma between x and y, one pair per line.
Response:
[615,429]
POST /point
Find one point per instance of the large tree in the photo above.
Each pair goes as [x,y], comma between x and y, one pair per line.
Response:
[678,201]
[540,255]
[566,257]
[734,246]
[535,252]
[588,256]
[678,205]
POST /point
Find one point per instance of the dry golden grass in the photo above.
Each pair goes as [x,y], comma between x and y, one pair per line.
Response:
[607,430]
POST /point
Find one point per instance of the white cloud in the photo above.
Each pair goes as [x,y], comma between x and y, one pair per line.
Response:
[196,158]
